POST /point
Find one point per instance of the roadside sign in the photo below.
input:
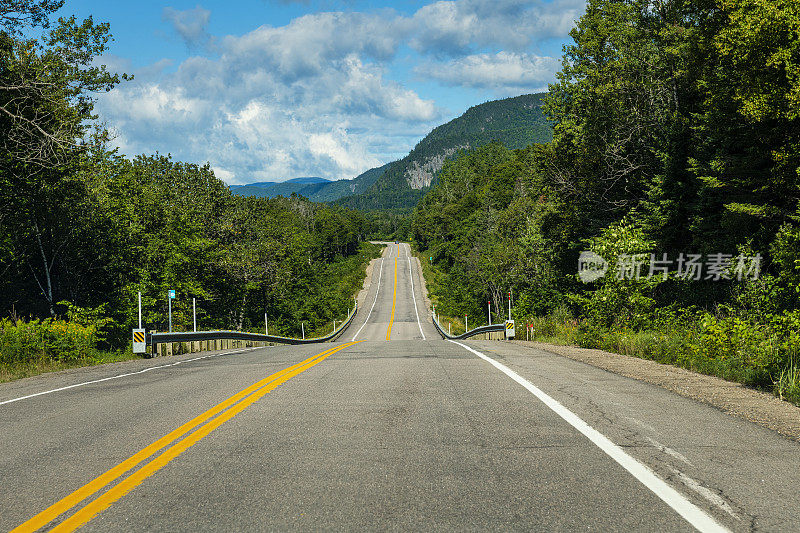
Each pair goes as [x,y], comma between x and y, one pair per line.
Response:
[510,329]
[139,345]
[172,295]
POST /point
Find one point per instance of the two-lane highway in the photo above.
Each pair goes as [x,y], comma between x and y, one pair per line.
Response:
[394,308]
[415,433]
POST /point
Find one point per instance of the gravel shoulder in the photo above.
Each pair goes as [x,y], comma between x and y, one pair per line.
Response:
[733,398]
[362,294]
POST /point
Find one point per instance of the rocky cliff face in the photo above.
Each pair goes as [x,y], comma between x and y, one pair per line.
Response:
[421,175]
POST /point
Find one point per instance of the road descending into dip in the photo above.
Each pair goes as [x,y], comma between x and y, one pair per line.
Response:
[390,427]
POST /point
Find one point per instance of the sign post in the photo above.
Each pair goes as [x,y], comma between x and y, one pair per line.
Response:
[170,296]
[139,345]
[510,333]
[489,305]
[140,309]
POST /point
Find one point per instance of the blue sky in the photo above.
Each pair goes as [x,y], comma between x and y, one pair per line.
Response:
[270,90]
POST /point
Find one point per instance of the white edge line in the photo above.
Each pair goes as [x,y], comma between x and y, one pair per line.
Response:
[125,375]
[690,512]
[411,275]
[380,275]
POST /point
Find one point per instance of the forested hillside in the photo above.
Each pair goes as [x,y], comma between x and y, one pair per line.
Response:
[675,158]
[515,122]
[271,189]
[83,229]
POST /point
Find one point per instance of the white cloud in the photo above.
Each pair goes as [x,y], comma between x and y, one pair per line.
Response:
[315,97]
[190,24]
[459,27]
[308,43]
[504,71]
[225,175]
[339,147]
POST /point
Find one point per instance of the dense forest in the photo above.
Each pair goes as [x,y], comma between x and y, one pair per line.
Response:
[676,140]
[84,229]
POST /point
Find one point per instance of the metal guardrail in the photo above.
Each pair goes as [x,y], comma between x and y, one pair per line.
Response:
[152,339]
[471,333]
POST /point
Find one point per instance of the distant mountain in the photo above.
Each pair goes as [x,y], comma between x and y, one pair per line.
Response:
[307,180]
[316,189]
[516,122]
[270,189]
[334,190]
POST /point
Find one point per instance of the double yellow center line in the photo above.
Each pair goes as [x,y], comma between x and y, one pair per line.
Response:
[207,422]
[394,302]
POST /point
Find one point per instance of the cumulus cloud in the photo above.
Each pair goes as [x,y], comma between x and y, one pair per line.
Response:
[261,111]
[458,27]
[190,24]
[505,71]
[308,43]
[316,96]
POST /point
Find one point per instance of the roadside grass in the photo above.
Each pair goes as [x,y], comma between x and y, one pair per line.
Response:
[43,365]
[456,325]
[726,348]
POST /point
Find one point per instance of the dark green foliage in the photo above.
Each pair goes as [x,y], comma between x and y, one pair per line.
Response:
[675,130]
[152,224]
[484,232]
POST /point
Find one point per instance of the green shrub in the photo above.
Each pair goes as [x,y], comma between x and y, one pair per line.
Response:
[57,340]
[588,335]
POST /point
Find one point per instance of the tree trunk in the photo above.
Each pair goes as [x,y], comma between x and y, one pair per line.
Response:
[47,290]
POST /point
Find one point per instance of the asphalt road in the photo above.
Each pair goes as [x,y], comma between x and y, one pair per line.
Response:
[365,434]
